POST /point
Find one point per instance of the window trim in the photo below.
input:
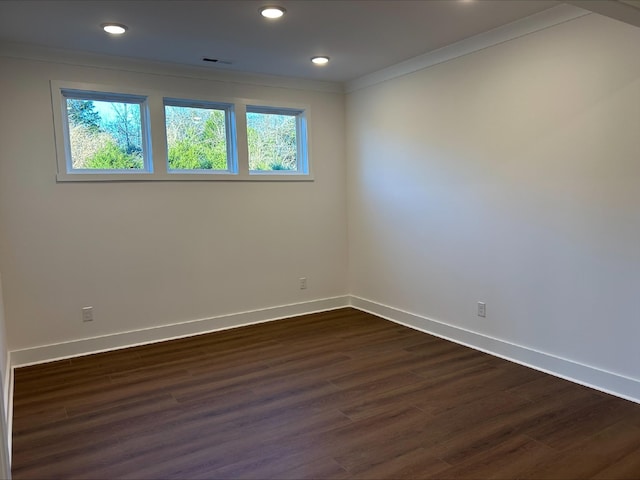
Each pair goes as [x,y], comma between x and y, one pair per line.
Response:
[158,168]
[302,161]
[140,100]
[65,172]
[230,134]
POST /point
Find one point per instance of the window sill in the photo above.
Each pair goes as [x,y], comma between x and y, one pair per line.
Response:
[181,177]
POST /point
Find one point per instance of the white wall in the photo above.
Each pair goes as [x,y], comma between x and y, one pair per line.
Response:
[147,254]
[508,176]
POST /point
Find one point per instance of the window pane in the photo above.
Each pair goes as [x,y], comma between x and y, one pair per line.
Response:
[196,138]
[272,141]
[105,135]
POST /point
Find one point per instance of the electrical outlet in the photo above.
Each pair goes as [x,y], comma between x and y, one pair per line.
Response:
[482,309]
[303,283]
[87,314]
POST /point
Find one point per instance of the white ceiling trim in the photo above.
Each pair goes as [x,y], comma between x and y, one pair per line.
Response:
[627,11]
[96,60]
[533,23]
[633,3]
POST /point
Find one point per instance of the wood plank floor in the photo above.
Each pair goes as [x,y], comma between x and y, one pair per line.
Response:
[340,394]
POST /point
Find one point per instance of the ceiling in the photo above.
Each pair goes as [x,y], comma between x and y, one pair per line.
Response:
[360,36]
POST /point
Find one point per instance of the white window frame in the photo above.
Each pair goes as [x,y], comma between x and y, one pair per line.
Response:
[61,126]
[302,160]
[156,166]
[230,133]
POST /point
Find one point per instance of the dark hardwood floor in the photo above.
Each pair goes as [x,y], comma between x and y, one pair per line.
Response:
[340,394]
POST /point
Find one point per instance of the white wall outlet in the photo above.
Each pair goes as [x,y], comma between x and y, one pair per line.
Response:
[303,283]
[482,309]
[87,314]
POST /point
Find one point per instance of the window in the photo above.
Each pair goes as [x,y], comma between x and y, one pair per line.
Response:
[199,137]
[276,140]
[105,132]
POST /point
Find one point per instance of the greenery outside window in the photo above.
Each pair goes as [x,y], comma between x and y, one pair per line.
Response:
[199,137]
[105,132]
[276,139]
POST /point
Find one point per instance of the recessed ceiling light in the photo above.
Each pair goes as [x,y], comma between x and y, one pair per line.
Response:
[272,11]
[114,28]
[321,60]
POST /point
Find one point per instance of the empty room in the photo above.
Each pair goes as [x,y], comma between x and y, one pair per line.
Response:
[355,239]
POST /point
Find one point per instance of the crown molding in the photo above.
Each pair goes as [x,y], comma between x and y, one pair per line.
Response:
[110,62]
[533,23]
[627,11]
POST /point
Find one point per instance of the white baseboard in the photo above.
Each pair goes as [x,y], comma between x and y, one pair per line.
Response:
[609,382]
[86,346]
[9,413]
[7,385]
[615,384]
[7,410]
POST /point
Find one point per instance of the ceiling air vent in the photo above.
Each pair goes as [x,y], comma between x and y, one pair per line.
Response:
[216,60]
